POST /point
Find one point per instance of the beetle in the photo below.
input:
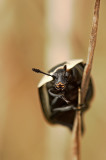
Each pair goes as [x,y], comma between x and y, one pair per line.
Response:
[58,92]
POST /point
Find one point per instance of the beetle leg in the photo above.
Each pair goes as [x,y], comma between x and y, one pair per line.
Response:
[82,107]
[58,96]
[70,107]
[65,99]
[52,94]
[63,109]
[54,101]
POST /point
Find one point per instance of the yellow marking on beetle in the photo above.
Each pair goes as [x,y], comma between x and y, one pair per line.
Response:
[58,85]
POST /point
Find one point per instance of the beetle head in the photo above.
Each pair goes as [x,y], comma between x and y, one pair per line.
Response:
[60,79]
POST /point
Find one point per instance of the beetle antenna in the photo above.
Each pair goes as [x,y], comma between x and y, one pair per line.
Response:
[39,71]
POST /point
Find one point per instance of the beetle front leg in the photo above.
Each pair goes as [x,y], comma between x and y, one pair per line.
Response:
[67,101]
[54,101]
[58,96]
[53,94]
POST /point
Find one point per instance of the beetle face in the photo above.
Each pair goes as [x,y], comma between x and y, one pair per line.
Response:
[60,79]
[60,82]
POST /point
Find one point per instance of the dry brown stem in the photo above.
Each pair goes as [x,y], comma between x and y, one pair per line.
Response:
[91,48]
[76,135]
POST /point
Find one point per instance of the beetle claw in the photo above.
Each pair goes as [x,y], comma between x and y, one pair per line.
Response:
[81,108]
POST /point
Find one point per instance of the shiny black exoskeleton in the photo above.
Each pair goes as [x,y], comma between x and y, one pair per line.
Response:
[59,92]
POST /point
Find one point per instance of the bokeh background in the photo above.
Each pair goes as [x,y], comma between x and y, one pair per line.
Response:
[41,34]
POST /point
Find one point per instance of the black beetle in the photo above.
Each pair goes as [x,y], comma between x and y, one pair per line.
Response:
[58,91]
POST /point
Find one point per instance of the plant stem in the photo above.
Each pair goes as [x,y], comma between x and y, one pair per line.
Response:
[76,134]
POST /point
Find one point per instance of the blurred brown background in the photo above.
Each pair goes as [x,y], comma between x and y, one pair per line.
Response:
[41,34]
